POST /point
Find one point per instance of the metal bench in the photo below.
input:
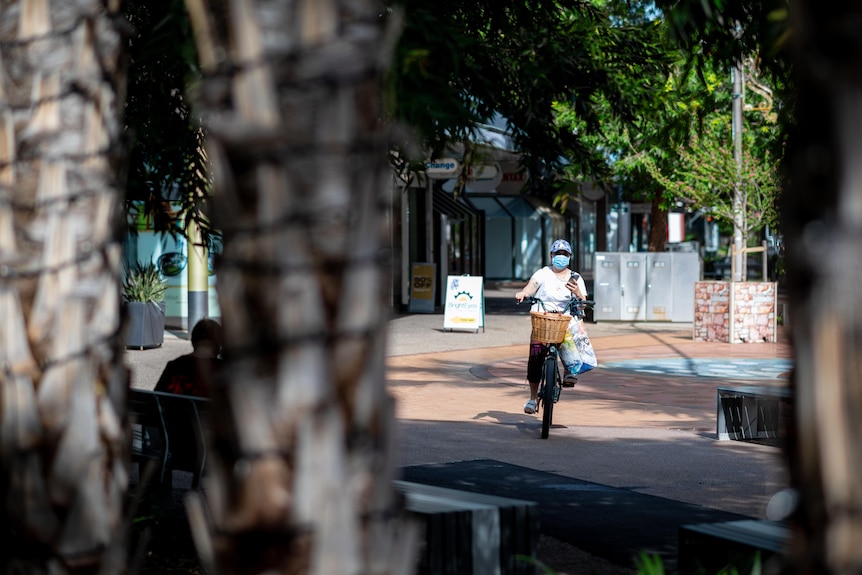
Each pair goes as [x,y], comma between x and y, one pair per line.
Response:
[752,412]
[731,546]
[472,533]
[169,430]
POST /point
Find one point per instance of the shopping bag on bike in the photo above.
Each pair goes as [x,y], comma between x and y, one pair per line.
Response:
[569,353]
[576,351]
[585,348]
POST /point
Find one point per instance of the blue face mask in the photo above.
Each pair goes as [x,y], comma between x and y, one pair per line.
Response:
[561,262]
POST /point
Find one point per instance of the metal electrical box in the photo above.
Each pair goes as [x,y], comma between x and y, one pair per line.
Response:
[687,271]
[632,286]
[659,286]
[645,286]
[607,287]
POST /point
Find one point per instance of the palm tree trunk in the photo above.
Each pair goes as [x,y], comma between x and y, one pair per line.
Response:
[62,442]
[301,479]
[823,221]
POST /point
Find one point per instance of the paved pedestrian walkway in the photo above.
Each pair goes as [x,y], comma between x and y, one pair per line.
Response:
[634,442]
[617,426]
[642,426]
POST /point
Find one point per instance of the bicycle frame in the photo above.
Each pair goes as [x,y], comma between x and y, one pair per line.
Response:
[550,387]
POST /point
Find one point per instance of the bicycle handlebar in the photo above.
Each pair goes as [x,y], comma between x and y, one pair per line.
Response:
[574,302]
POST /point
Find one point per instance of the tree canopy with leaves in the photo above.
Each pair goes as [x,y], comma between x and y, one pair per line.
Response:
[686,152]
[458,64]
[669,154]
[704,177]
[165,159]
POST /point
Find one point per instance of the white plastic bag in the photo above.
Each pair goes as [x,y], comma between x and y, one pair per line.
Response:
[576,351]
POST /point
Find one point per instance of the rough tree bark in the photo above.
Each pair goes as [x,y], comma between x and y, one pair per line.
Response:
[303,426]
[658,224]
[63,450]
[823,222]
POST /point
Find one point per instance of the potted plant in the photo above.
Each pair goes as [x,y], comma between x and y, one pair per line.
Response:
[143,296]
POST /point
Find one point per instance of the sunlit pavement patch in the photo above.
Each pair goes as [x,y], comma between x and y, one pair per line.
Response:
[705,367]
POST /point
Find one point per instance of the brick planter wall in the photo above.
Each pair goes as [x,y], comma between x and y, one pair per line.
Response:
[754,313]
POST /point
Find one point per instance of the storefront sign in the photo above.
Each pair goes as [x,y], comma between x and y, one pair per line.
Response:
[483,172]
[484,178]
[464,307]
[511,182]
[423,288]
[442,169]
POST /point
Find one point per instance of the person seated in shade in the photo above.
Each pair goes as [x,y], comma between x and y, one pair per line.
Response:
[192,373]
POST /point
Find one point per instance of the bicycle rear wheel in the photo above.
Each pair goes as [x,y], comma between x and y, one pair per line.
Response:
[549,375]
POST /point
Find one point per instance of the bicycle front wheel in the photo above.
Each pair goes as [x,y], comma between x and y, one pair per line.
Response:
[550,375]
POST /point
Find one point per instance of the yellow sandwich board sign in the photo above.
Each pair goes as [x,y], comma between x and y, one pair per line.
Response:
[423,290]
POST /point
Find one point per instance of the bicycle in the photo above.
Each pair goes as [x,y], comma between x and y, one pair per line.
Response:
[550,329]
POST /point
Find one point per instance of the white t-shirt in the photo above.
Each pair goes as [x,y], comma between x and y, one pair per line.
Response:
[552,290]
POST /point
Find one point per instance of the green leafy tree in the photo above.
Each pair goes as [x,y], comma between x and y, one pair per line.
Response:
[704,176]
[166,159]
[650,156]
[684,151]
[662,125]
[458,64]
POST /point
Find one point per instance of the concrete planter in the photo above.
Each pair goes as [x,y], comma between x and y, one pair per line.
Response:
[735,312]
[146,325]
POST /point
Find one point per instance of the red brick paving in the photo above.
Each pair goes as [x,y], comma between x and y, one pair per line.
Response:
[444,386]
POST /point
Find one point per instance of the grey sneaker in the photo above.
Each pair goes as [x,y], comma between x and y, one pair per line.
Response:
[570,381]
[531,407]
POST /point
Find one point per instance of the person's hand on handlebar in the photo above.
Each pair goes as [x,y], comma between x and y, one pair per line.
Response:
[520,296]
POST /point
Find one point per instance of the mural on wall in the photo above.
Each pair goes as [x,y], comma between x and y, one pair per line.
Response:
[169,252]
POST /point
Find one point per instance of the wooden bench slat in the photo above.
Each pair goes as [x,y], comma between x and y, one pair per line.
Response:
[765,535]
[469,532]
[712,547]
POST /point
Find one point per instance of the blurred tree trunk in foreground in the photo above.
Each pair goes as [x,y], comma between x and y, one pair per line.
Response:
[823,222]
[301,477]
[63,449]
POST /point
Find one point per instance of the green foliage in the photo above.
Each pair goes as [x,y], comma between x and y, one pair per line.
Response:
[143,283]
[665,115]
[704,176]
[536,563]
[652,564]
[649,564]
[682,148]
[713,34]
[731,29]
[459,64]
[667,155]
[166,158]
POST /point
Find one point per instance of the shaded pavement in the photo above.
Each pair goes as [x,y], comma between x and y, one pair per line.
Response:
[633,451]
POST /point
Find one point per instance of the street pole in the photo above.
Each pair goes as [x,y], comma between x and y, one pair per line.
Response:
[198,276]
[739,260]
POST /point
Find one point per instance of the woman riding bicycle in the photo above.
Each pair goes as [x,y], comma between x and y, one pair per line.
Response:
[553,285]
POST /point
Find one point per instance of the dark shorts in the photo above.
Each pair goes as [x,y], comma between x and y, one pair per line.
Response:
[538,351]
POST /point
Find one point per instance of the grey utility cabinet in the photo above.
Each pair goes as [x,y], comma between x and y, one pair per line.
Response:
[645,286]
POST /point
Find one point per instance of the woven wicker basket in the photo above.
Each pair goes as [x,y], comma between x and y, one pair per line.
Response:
[549,327]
